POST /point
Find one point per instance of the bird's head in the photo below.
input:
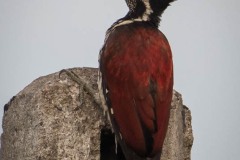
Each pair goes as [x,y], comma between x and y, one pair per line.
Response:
[147,10]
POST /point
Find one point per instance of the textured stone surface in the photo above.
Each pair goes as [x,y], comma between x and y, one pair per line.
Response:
[46,121]
[179,139]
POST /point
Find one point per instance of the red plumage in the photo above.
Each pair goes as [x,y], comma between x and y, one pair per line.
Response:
[137,74]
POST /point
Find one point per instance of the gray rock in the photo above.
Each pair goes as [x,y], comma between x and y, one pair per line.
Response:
[46,121]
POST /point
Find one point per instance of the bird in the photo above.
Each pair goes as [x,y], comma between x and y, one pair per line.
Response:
[136,79]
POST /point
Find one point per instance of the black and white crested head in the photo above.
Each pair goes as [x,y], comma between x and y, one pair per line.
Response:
[147,10]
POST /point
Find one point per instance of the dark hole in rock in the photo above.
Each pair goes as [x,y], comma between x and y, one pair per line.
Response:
[108,147]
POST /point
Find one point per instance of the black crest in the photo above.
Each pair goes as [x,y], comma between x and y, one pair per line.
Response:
[147,10]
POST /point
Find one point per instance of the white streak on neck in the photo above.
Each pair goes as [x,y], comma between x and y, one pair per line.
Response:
[144,17]
[148,11]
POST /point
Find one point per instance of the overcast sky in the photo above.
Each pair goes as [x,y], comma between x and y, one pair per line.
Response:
[39,37]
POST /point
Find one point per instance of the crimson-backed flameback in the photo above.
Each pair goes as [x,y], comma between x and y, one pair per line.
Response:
[136,79]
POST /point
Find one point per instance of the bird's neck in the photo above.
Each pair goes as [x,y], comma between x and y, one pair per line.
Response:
[141,13]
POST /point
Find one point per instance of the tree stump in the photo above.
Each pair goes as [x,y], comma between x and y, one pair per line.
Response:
[47,121]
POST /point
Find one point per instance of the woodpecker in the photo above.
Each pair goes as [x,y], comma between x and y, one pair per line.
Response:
[136,79]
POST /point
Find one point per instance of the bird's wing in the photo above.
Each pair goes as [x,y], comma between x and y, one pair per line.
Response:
[138,88]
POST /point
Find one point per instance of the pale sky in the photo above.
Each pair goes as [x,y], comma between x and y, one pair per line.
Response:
[39,37]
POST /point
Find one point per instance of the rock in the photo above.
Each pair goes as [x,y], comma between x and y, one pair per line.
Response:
[46,121]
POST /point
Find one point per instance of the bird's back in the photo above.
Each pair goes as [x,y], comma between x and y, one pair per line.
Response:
[137,79]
